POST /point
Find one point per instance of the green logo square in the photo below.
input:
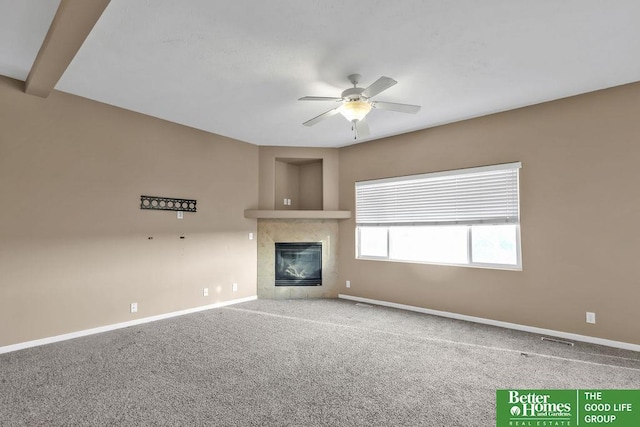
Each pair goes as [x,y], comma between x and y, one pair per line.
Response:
[547,408]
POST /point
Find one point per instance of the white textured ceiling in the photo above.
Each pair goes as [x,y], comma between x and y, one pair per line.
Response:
[237,68]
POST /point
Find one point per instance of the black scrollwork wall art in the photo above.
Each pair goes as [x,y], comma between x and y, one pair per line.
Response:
[167,204]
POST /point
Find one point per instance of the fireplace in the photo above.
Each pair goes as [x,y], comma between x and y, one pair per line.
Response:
[298,264]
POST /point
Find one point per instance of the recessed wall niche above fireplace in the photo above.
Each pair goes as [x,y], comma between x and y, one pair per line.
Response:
[298,264]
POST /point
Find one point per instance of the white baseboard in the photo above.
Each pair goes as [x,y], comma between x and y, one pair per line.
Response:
[532,329]
[100,329]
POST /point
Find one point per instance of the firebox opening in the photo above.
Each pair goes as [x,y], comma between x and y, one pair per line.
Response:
[299,264]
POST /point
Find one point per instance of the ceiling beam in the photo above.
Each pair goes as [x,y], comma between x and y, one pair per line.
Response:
[70,27]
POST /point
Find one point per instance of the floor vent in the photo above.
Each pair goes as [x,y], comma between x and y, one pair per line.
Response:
[557,341]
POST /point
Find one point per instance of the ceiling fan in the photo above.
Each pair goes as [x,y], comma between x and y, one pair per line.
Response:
[355,104]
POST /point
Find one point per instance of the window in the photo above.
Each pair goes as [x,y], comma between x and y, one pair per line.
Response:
[462,217]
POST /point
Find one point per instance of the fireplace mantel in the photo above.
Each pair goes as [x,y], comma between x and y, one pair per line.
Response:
[296,214]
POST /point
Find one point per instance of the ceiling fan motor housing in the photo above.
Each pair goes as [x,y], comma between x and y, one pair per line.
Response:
[353,94]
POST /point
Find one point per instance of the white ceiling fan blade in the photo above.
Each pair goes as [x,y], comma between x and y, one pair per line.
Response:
[362,129]
[392,106]
[319,98]
[383,83]
[322,116]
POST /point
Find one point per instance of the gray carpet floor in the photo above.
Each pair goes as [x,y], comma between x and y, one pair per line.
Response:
[295,363]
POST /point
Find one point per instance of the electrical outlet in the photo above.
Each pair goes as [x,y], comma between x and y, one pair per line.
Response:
[234,287]
[250,236]
[205,292]
[134,307]
[180,215]
[591,317]
[348,283]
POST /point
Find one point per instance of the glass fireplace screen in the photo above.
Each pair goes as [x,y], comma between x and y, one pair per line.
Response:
[299,264]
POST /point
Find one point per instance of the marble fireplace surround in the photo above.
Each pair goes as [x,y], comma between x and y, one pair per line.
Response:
[271,231]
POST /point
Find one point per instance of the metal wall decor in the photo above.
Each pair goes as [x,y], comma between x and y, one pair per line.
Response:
[167,204]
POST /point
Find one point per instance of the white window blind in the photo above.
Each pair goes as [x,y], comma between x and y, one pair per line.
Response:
[483,195]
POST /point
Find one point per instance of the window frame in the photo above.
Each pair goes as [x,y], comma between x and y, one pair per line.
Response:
[469,232]
[471,263]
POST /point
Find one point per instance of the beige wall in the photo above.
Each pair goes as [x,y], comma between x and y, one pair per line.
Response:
[579,202]
[74,247]
[287,185]
[311,186]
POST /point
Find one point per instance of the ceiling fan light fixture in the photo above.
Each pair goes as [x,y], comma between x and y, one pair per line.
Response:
[355,110]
